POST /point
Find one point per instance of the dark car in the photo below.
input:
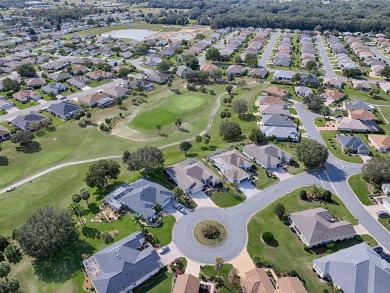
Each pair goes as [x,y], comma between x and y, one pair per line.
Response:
[383,214]
[378,249]
[385,256]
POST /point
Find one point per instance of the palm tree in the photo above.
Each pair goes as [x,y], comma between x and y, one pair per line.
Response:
[78,212]
[85,195]
[157,207]
[218,264]
[315,191]
[325,111]
[158,128]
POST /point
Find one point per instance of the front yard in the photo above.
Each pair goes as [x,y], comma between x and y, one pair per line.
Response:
[227,270]
[360,188]
[227,199]
[287,251]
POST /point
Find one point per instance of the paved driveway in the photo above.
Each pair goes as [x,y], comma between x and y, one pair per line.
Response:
[202,200]
[170,256]
[248,189]
[174,212]
[282,174]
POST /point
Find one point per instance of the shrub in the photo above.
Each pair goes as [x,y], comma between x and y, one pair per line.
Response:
[303,195]
[327,196]
[279,210]
[306,248]
[212,92]
[107,121]
[267,236]
[331,245]
[329,251]
[358,238]
[177,91]
[293,273]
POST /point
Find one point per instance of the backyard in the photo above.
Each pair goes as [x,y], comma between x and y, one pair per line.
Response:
[287,251]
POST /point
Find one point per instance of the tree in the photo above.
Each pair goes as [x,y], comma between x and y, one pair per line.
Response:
[124,72]
[3,243]
[147,159]
[100,172]
[88,115]
[31,31]
[76,198]
[303,194]
[314,191]
[227,114]
[229,88]
[230,130]
[311,65]
[237,59]
[222,114]
[325,111]
[178,122]
[241,83]
[240,107]
[23,138]
[296,77]
[4,269]
[280,210]
[386,72]
[85,195]
[314,103]
[191,62]
[198,139]
[213,54]
[158,128]
[267,236]
[327,196]
[26,70]
[257,136]
[10,85]
[312,153]
[251,60]
[157,207]
[218,264]
[185,146]
[13,254]
[47,232]
[163,66]
[206,139]
[352,72]
[177,192]
[10,286]
[215,74]
[377,170]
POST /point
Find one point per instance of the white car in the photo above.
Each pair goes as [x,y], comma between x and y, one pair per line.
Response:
[163,249]
[181,209]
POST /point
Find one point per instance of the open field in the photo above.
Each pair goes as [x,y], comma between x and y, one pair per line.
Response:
[359,187]
[287,252]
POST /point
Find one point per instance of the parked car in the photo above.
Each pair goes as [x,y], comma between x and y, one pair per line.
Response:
[378,249]
[383,214]
[386,256]
[181,209]
[163,249]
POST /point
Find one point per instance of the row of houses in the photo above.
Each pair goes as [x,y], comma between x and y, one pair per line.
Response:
[308,52]
[234,43]
[340,53]
[283,56]
[256,43]
[382,42]
[355,144]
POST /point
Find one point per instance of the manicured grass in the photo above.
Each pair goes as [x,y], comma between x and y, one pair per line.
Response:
[21,105]
[95,83]
[227,199]
[174,106]
[320,121]
[369,240]
[202,226]
[210,271]
[386,114]
[263,181]
[360,188]
[160,283]
[287,252]
[379,99]
[334,148]
[385,223]
[163,233]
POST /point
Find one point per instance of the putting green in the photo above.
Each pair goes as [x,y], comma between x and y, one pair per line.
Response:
[149,119]
[188,102]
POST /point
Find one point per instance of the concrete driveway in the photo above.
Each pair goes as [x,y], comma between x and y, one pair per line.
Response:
[373,209]
[282,174]
[170,255]
[248,189]
[365,158]
[202,200]
[172,211]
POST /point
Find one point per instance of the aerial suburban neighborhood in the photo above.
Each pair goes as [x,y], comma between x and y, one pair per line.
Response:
[195,146]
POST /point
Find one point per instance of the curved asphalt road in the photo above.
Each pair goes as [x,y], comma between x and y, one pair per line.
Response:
[236,218]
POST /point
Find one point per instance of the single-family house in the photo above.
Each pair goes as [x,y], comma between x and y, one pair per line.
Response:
[332,95]
[123,265]
[380,142]
[153,61]
[142,84]
[116,92]
[158,77]
[362,115]
[4,133]
[182,71]
[281,133]
[59,76]
[276,109]
[78,81]
[206,67]
[361,85]
[35,82]
[283,75]
[236,70]
[353,143]
[268,100]
[356,105]
[64,109]
[268,156]
[303,91]
[308,79]
[55,88]
[99,75]
[258,72]
[139,197]
[365,269]
[333,81]
[385,86]
[91,100]
[350,125]
[26,95]
[192,176]
[30,122]
[5,104]
[186,283]
[277,120]
[276,92]
[318,226]
[233,165]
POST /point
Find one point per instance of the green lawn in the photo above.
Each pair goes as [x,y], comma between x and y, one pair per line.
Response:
[263,181]
[360,188]
[227,199]
[386,114]
[379,99]
[334,148]
[320,121]
[210,271]
[287,253]
[385,223]
[161,283]
[21,105]
[96,83]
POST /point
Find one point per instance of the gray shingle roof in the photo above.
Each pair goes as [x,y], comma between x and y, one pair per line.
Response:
[139,196]
[119,266]
[365,269]
[357,105]
[354,143]
[277,120]
[268,155]
[63,108]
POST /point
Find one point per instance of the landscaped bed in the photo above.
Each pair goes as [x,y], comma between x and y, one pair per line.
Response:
[210,233]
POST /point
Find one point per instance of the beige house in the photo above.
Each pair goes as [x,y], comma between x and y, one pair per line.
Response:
[186,283]
[380,142]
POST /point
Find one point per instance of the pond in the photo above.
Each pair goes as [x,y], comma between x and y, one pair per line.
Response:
[135,34]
